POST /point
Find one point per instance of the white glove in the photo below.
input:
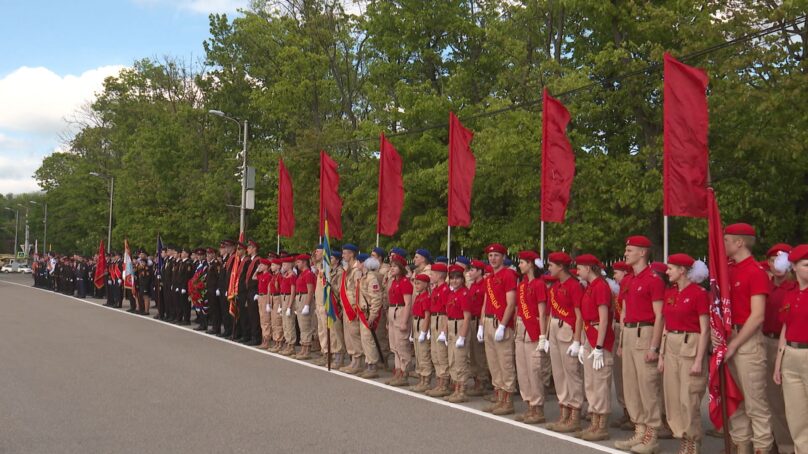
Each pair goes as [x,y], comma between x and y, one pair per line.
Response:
[268,308]
[183,291]
[119,282]
[544,344]
[500,334]
[410,338]
[581,355]
[442,338]
[573,349]
[288,311]
[461,342]
[225,293]
[255,298]
[429,335]
[280,309]
[305,310]
[218,293]
[597,358]
[109,282]
[422,337]
[480,337]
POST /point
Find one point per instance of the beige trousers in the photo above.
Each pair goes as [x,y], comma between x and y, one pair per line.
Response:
[423,356]
[439,350]
[529,366]
[265,317]
[337,343]
[568,373]
[368,345]
[397,317]
[794,371]
[598,383]
[500,356]
[353,339]
[641,379]
[683,392]
[304,321]
[458,357]
[276,319]
[752,420]
[289,333]
[774,395]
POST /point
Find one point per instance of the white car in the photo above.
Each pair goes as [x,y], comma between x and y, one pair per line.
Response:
[16,268]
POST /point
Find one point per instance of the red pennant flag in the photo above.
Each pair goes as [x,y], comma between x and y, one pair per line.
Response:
[100,266]
[685,140]
[720,319]
[330,203]
[232,288]
[391,189]
[462,167]
[286,207]
[557,160]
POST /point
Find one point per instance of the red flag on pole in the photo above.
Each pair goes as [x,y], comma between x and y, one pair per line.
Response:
[720,320]
[100,266]
[232,288]
[391,189]
[330,203]
[462,167]
[286,207]
[686,122]
[557,160]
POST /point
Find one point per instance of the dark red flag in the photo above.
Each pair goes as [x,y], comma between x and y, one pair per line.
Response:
[100,266]
[720,318]
[391,189]
[557,160]
[685,139]
[330,203]
[286,206]
[462,167]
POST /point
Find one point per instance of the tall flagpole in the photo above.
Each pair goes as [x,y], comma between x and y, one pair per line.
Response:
[541,242]
[448,241]
[278,247]
[665,235]
[377,239]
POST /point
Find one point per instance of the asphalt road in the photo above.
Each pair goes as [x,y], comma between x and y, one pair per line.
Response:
[78,377]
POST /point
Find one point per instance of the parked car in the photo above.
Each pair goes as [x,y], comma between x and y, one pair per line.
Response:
[16,267]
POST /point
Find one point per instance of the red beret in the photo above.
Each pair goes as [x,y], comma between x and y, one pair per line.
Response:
[276,261]
[496,247]
[621,266]
[422,278]
[398,259]
[528,256]
[253,244]
[210,250]
[740,229]
[639,241]
[680,260]
[588,260]
[266,262]
[779,247]
[454,269]
[241,245]
[659,267]
[439,267]
[489,269]
[560,258]
[303,257]
[798,253]
[765,265]
[288,259]
[479,264]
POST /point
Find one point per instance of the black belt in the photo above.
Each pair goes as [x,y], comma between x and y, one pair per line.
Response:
[797,344]
[491,316]
[397,305]
[434,314]
[284,294]
[262,294]
[637,324]
[681,331]
[417,319]
[455,319]
[772,335]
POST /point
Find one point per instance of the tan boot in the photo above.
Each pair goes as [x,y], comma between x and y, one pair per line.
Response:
[393,378]
[649,443]
[460,395]
[562,419]
[304,353]
[626,445]
[537,416]
[370,373]
[476,390]
[423,385]
[593,425]
[402,379]
[506,407]
[495,403]
[454,388]
[573,423]
[599,430]
[522,416]
[264,343]
[438,389]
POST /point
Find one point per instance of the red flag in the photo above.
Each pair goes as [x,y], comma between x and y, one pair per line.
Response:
[462,167]
[330,203]
[685,139]
[391,189]
[100,266]
[557,160]
[720,318]
[286,207]
[232,288]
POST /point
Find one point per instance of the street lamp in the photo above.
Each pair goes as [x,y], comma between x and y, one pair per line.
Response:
[219,113]
[111,192]
[45,221]
[16,227]
[26,227]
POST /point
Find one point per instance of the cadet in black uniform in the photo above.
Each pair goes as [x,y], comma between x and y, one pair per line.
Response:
[228,261]
[143,273]
[183,273]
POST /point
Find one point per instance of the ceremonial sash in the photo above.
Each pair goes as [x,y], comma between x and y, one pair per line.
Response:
[346,303]
[529,314]
[232,289]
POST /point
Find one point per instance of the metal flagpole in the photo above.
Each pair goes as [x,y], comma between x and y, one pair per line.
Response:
[278,247]
[541,243]
[377,239]
[665,238]
[449,241]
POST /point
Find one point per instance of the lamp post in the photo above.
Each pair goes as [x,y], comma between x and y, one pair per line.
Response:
[219,113]
[27,244]
[44,221]
[16,227]
[111,192]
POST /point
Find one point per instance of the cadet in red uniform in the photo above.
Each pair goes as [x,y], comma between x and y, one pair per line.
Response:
[399,295]
[458,319]
[619,271]
[264,306]
[530,360]
[497,331]
[439,348]
[749,425]
[564,343]
[597,346]
[640,340]
[478,367]
[683,360]
[287,287]
[783,281]
[420,332]
[791,368]
[304,287]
